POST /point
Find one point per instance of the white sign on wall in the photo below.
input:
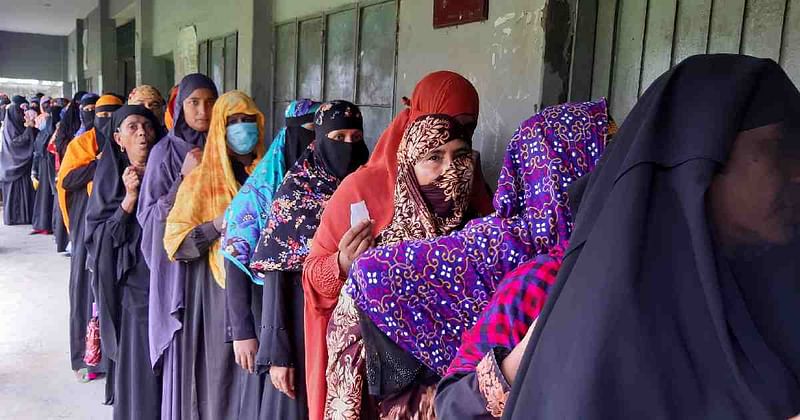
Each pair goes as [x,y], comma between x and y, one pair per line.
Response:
[185,54]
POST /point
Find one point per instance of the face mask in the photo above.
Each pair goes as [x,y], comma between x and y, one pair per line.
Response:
[100,124]
[242,137]
[340,158]
[87,117]
[434,196]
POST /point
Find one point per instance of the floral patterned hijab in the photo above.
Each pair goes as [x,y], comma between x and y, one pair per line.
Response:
[413,216]
[298,203]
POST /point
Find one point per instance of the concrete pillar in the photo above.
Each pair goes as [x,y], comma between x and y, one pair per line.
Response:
[67,89]
[79,70]
[261,71]
[149,69]
[109,69]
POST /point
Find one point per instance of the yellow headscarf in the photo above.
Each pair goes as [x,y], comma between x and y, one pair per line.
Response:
[208,190]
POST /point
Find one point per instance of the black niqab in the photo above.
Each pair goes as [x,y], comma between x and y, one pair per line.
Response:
[297,139]
[339,158]
[87,117]
[188,85]
[648,319]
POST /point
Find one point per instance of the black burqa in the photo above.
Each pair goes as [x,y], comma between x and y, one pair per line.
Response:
[113,236]
[16,160]
[648,318]
[44,167]
[81,295]
[65,131]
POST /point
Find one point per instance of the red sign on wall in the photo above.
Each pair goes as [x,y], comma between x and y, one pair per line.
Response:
[456,12]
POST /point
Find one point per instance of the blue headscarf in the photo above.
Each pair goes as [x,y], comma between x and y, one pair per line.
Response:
[246,217]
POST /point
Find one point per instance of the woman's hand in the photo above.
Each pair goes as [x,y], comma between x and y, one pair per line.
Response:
[354,242]
[245,353]
[219,223]
[283,380]
[510,364]
[191,161]
[130,178]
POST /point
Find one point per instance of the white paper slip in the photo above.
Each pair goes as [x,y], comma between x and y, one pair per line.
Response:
[358,213]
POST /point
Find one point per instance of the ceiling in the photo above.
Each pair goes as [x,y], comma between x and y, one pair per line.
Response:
[50,17]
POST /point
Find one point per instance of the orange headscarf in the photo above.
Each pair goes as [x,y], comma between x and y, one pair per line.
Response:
[441,92]
[206,192]
[169,115]
[81,151]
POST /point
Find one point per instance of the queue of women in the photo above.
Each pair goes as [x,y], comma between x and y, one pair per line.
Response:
[649,271]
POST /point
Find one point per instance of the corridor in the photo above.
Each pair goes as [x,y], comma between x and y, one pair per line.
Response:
[36,382]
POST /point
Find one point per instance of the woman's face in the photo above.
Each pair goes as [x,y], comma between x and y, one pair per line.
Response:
[197,109]
[438,160]
[755,199]
[240,118]
[154,105]
[136,136]
[351,135]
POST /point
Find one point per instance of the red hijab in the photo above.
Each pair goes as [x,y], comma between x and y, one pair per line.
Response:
[441,92]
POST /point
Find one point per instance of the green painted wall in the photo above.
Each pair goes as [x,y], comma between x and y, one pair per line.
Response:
[211,18]
[502,57]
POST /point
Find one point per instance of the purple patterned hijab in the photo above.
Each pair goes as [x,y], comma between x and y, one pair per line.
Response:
[425,294]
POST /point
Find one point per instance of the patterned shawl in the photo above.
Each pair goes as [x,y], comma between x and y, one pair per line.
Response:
[206,192]
[297,207]
[413,219]
[516,303]
[246,217]
[425,294]
[294,217]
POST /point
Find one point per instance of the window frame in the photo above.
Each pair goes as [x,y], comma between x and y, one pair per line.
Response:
[208,51]
[358,7]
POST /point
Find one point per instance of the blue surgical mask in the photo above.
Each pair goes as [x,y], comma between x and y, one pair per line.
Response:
[242,137]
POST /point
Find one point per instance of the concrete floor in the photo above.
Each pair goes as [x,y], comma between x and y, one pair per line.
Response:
[35,377]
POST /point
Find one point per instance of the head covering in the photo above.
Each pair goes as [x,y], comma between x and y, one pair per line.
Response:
[91,99]
[298,203]
[425,294]
[298,113]
[441,92]
[46,103]
[4,99]
[169,114]
[247,215]
[111,261]
[188,85]
[70,125]
[102,125]
[106,103]
[52,119]
[19,100]
[144,93]
[87,117]
[76,98]
[206,192]
[413,218]
[34,104]
[648,315]
[339,158]
[15,156]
